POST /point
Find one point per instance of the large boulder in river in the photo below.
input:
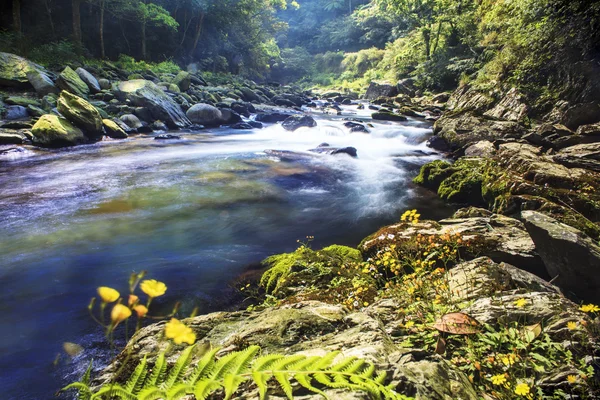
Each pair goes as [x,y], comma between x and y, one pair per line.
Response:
[69,80]
[144,93]
[131,121]
[81,113]
[388,116]
[204,114]
[380,89]
[294,122]
[571,257]
[41,82]
[113,130]
[89,79]
[19,72]
[53,131]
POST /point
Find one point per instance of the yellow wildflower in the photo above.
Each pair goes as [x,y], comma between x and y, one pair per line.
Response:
[133,299]
[520,303]
[179,332]
[572,379]
[522,389]
[141,310]
[119,313]
[498,379]
[108,295]
[589,308]
[153,288]
[572,325]
[409,324]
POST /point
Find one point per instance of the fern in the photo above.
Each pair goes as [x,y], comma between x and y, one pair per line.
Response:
[229,372]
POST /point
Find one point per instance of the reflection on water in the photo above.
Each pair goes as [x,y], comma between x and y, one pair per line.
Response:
[193,212]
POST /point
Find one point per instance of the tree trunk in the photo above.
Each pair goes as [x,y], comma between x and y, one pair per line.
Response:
[101,30]
[437,37]
[144,39]
[49,12]
[426,32]
[198,33]
[76,5]
[16,12]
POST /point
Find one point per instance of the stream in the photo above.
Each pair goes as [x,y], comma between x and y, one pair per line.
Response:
[195,213]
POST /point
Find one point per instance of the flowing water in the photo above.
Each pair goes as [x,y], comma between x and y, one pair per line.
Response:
[194,213]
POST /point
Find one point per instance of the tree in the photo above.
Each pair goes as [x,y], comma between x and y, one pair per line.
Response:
[76,13]
[16,12]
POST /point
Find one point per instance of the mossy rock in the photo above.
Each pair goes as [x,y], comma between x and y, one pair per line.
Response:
[81,113]
[22,101]
[52,131]
[113,130]
[464,185]
[69,80]
[433,173]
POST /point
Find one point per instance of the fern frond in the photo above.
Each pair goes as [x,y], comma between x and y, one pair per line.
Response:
[180,390]
[113,391]
[158,372]
[136,381]
[83,390]
[177,371]
[88,372]
[152,393]
[204,388]
[233,362]
[204,366]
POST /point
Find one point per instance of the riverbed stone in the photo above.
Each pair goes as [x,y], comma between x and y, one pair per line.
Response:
[204,114]
[144,93]
[69,80]
[113,130]
[294,122]
[380,89]
[52,131]
[41,82]
[89,79]
[10,138]
[131,121]
[15,112]
[81,113]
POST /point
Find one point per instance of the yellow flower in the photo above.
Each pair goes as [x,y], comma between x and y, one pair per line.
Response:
[409,324]
[498,379]
[141,310]
[179,332]
[572,325]
[522,389]
[589,308]
[119,313]
[520,303]
[133,299]
[153,288]
[572,379]
[108,295]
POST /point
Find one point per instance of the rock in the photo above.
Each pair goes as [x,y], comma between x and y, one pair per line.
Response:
[249,95]
[21,101]
[69,80]
[483,149]
[467,99]
[570,257]
[580,114]
[294,122]
[438,143]
[405,87]
[183,80]
[204,114]
[144,93]
[143,114]
[380,89]
[272,117]
[158,126]
[241,108]
[35,111]
[356,127]
[131,121]
[10,138]
[255,124]
[104,84]
[580,156]
[440,98]
[53,131]
[351,151]
[241,125]
[511,108]
[17,125]
[49,102]
[283,102]
[311,328]
[81,113]
[166,136]
[41,82]
[113,130]
[500,238]
[228,116]
[330,95]
[14,69]
[589,130]
[15,112]
[388,116]
[91,82]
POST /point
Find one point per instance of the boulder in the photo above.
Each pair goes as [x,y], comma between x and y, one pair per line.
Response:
[81,113]
[144,93]
[585,156]
[388,116]
[21,101]
[272,117]
[483,148]
[41,82]
[356,127]
[589,130]
[580,114]
[15,112]
[89,79]
[380,89]
[131,121]
[228,116]
[113,130]
[53,131]
[183,80]
[438,143]
[69,80]
[570,257]
[351,151]
[241,125]
[10,138]
[406,87]
[294,122]
[158,126]
[204,114]
[467,99]
[14,69]
[143,114]
[249,95]
[104,84]
[166,136]
[512,107]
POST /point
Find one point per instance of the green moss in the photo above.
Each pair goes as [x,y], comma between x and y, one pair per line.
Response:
[342,253]
[22,101]
[432,174]
[281,266]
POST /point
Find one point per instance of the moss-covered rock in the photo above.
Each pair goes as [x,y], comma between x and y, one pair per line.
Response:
[81,113]
[52,131]
[388,116]
[113,130]
[69,80]
[433,173]
[22,101]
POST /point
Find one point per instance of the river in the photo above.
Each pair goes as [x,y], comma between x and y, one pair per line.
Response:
[195,213]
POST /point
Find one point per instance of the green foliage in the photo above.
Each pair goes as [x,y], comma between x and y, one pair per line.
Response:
[228,373]
[132,65]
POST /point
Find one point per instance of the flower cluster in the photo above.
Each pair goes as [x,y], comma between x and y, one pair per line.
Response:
[411,216]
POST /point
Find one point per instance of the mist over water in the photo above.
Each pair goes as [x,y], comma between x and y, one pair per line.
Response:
[194,213]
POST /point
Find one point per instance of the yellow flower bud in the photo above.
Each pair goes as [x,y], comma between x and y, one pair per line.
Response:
[119,313]
[108,295]
[141,310]
[133,299]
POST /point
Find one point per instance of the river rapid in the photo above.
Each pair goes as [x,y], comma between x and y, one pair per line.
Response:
[195,213]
